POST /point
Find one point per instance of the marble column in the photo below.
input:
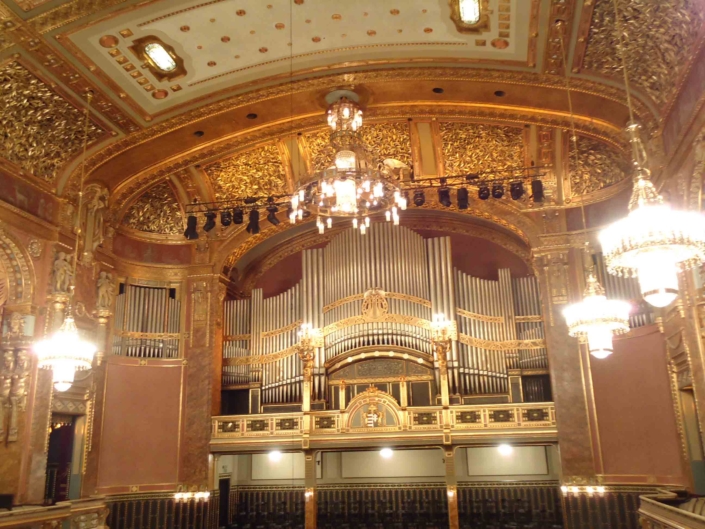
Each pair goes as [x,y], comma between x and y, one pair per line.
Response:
[452,489]
[310,494]
[559,270]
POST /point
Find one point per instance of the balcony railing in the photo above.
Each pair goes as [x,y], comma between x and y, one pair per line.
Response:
[422,424]
[89,512]
[666,511]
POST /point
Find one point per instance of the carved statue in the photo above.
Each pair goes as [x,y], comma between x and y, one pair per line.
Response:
[16,324]
[105,291]
[63,274]
[94,221]
[8,365]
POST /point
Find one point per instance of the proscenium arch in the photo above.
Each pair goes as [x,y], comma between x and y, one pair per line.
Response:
[487,221]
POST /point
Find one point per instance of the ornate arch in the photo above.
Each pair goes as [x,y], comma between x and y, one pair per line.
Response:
[17,267]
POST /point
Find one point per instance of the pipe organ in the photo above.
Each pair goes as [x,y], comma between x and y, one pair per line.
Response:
[147,320]
[374,296]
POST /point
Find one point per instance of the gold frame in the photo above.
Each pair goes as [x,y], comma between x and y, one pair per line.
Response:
[138,49]
[482,25]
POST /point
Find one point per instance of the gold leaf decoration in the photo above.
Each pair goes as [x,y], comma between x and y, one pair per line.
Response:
[39,130]
[157,210]
[597,166]
[660,36]
[381,140]
[258,172]
[474,147]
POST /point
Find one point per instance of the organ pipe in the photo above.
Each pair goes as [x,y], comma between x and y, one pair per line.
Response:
[500,326]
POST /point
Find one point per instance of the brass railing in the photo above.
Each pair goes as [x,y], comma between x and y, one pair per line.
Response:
[90,512]
[656,513]
[414,423]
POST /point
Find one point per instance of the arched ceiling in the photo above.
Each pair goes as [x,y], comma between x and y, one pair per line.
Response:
[245,90]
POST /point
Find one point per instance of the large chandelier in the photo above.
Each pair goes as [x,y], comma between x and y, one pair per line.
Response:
[351,188]
[654,242]
[64,352]
[597,318]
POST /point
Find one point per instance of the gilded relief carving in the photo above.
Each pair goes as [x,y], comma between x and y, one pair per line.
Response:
[474,147]
[596,166]
[156,211]
[41,130]
[258,172]
[14,379]
[62,273]
[660,37]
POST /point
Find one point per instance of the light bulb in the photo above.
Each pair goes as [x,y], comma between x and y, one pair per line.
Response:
[329,221]
[275,456]
[505,450]
[388,215]
[600,341]
[386,453]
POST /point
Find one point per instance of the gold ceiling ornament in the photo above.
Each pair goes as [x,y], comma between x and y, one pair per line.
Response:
[41,130]
[472,147]
[157,210]
[257,172]
[159,57]
[661,36]
[596,167]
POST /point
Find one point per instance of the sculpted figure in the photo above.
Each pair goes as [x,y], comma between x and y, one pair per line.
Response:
[62,273]
[8,364]
[106,291]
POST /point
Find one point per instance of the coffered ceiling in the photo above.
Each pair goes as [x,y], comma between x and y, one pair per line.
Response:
[226,44]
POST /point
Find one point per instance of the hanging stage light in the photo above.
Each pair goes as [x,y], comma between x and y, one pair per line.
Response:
[537,190]
[498,191]
[210,221]
[444,196]
[419,198]
[471,177]
[238,216]
[226,218]
[483,193]
[191,232]
[463,198]
[253,225]
[272,215]
[516,190]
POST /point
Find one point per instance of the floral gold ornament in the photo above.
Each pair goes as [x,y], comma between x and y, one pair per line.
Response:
[654,242]
[65,352]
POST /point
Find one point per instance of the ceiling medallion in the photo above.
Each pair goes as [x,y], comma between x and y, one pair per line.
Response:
[351,188]
[470,16]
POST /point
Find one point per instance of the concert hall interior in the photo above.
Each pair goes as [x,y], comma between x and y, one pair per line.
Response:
[385,264]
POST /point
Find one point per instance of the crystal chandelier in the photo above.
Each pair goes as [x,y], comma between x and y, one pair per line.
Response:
[597,318]
[351,188]
[654,242]
[64,352]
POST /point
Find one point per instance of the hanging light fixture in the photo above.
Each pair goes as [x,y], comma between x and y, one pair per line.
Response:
[64,352]
[654,242]
[351,188]
[595,318]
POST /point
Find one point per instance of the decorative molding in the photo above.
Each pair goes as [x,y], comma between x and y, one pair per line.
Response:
[510,345]
[479,317]
[157,211]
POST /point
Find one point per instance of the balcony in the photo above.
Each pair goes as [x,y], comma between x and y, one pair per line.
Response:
[376,418]
[669,511]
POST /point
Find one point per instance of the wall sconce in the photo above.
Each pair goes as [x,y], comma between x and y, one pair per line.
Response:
[589,490]
[308,494]
[451,492]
